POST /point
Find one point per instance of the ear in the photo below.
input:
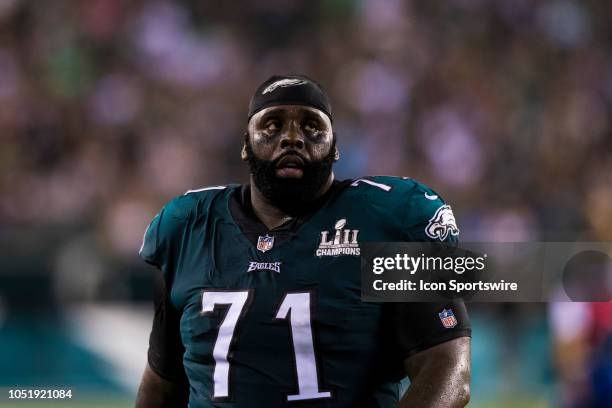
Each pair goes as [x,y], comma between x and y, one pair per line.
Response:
[244,156]
[336,154]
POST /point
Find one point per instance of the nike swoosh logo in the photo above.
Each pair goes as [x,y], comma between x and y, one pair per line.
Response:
[431,197]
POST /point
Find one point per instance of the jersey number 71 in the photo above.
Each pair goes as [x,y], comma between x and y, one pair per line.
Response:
[294,307]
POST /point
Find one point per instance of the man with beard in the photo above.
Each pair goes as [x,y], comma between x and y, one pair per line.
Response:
[260,305]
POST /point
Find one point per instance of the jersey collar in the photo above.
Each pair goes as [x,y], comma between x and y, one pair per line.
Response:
[242,212]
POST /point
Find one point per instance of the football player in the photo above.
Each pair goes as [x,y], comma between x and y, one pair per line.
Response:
[259,305]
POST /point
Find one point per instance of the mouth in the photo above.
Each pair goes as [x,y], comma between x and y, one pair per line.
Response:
[290,166]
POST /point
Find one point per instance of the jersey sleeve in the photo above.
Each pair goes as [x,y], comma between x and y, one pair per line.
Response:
[428,217]
[162,240]
[150,249]
[419,326]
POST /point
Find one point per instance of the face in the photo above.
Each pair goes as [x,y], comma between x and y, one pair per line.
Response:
[290,150]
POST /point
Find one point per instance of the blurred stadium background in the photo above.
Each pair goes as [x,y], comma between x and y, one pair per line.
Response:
[108,108]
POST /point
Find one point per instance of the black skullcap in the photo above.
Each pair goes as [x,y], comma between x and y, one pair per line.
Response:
[289,90]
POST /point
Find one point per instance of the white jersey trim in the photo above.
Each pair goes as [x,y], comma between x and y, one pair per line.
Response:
[205,189]
[144,237]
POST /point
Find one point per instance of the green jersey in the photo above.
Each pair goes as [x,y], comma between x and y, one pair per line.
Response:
[274,318]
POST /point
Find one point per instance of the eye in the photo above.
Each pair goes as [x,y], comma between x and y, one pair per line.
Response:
[272,125]
[311,126]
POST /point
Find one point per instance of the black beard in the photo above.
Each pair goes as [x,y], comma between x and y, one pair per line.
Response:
[292,196]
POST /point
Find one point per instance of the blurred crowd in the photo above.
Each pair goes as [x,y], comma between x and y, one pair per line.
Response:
[108,108]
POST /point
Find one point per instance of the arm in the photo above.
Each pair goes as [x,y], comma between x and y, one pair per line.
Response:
[164,383]
[439,376]
[437,357]
[156,392]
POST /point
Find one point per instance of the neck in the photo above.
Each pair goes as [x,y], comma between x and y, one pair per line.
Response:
[270,214]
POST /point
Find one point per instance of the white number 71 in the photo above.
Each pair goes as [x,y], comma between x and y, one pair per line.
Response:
[296,308]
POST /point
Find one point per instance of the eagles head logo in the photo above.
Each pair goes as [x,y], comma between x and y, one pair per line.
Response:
[442,224]
[283,83]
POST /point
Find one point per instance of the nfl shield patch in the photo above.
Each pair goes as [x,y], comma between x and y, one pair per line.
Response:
[447,317]
[265,243]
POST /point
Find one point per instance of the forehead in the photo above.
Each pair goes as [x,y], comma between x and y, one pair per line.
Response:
[290,111]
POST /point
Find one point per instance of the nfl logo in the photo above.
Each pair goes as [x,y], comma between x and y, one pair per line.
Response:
[265,243]
[447,317]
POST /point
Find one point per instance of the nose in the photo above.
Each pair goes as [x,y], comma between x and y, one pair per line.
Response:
[292,138]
